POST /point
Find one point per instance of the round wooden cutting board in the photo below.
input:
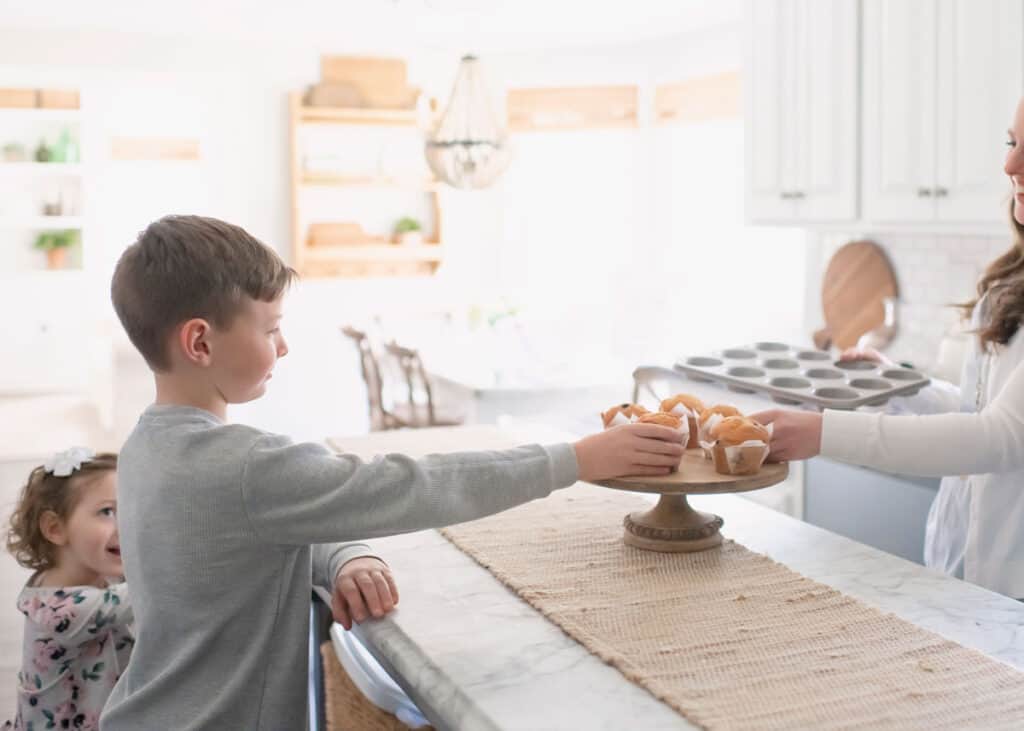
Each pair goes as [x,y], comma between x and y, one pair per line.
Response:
[858,279]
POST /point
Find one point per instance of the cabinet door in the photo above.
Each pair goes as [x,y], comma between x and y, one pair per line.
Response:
[981,78]
[899,119]
[826,146]
[885,511]
[771,107]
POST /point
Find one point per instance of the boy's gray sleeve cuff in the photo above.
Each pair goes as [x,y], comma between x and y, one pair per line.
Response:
[565,470]
[345,553]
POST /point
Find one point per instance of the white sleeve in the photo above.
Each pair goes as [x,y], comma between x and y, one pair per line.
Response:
[991,441]
[938,397]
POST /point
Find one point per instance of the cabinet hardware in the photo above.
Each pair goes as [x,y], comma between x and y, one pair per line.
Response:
[941,192]
[924,192]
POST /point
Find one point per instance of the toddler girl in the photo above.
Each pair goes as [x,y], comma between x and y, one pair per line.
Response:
[78,633]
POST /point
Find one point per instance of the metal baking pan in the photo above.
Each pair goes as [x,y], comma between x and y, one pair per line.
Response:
[796,375]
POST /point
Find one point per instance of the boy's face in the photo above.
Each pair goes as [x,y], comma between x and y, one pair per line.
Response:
[244,355]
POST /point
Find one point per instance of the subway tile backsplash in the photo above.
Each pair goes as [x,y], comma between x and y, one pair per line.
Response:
[932,271]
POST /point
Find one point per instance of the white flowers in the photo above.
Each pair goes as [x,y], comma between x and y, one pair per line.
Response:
[64,463]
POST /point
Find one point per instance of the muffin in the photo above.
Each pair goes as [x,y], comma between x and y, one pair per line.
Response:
[663,418]
[739,446]
[711,416]
[622,414]
[683,404]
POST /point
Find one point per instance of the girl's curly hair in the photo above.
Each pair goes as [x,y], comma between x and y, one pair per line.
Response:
[44,492]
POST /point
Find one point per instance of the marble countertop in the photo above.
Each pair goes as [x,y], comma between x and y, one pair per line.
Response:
[475,656]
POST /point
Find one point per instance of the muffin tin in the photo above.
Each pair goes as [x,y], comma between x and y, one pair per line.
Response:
[796,375]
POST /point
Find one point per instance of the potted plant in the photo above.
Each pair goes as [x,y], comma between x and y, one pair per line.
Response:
[56,245]
[408,231]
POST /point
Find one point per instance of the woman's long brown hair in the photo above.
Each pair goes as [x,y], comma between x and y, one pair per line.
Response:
[1006,308]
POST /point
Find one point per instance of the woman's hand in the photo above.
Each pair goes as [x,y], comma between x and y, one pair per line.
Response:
[795,434]
[868,354]
[630,449]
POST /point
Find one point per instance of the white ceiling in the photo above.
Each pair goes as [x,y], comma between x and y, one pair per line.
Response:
[483,25]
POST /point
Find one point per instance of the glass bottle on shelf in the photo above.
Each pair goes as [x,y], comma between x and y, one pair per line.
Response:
[67,147]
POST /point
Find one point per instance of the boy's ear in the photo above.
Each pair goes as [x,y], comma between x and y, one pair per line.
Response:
[194,341]
[52,528]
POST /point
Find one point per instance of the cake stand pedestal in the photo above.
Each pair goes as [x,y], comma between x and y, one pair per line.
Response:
[672,526]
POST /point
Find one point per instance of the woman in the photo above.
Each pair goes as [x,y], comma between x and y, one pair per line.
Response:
[976,524]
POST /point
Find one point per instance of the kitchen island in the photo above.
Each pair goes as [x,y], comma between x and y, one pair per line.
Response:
[475,656]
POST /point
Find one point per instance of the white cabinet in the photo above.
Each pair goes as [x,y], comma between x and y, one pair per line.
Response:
[941,80]
[801,72]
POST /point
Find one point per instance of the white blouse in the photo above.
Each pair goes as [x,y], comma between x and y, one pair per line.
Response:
[976,525]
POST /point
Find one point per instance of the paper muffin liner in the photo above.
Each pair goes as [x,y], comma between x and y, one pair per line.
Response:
[690,417]
[704,431]
[620,419]
[742,459]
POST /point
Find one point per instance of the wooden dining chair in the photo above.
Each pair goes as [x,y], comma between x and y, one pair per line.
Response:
[656,382]
[421,409]
[381,418]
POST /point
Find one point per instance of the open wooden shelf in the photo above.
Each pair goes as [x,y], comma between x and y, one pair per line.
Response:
[373,258]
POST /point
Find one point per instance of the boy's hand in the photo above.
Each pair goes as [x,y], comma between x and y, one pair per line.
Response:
[795,434]
[363,587]
[630,449]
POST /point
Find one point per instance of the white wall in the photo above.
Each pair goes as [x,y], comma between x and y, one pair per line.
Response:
[610,229]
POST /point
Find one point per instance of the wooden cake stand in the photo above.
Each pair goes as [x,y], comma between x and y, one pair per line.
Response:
[672,526]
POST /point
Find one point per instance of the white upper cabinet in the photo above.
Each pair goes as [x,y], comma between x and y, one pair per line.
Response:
[941,80]
[801,110]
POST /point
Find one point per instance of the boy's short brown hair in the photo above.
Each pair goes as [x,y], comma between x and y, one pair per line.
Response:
[183,267]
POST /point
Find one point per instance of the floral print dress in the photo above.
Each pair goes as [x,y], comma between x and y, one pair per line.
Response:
[77,643]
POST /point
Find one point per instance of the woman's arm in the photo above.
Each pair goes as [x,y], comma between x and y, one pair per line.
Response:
[935,445]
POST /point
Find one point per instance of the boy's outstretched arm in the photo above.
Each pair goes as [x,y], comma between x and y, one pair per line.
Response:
[298,494]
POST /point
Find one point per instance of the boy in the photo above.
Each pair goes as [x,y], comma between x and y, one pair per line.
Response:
[223,526]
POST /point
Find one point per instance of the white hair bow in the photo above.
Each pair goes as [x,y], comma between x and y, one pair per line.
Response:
[64,463]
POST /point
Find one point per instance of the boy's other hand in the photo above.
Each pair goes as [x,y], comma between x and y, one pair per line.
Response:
[363,588]
[795,434]
[630,449]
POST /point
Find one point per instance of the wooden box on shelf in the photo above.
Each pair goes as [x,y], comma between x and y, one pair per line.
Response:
[17,98]
[58,99]
[341,233]
[380,81]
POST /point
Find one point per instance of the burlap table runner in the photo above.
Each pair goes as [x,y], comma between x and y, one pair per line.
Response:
[730,638]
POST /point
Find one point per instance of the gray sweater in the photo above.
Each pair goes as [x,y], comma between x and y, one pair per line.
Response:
[224,529]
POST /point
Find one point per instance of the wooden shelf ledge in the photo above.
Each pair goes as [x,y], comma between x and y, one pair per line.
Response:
[374,252]
[368,181]
[357,115]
